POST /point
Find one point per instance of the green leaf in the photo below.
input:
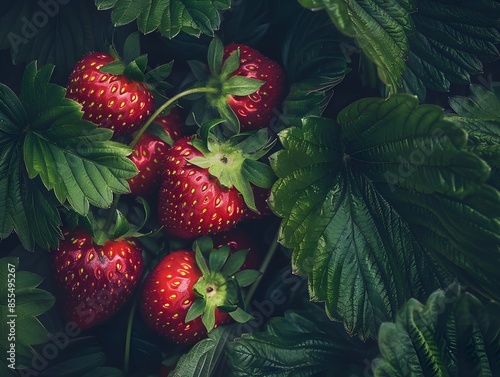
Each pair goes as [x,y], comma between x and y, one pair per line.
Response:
[451,42]
[370,203]
[52,158]
[381,29]
[315,63]
[56,32]
[448,336]
[296,345]
[170,17]
[20,302]
[204,356]
[479,115]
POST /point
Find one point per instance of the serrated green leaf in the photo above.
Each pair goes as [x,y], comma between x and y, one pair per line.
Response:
[390,187]
[169,17]
[20,302]
[448,336]
[381,29]
[204,356]
[297,345]
[451,42]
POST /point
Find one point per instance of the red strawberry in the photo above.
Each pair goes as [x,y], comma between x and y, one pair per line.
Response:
[148,155]
[252,103]
[111,101]
[167,296]
[191,201]
[95,281]
[238,239]
[186,296]
[256,110]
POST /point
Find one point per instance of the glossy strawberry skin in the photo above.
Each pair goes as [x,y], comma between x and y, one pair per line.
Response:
[238,239]
[191,203]
[148,153]
[111,101]
[94,281]
[167,296]
[257,109]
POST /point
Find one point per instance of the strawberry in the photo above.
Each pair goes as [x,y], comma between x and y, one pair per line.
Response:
[239,239]
[168,294]
[148,153]
[256,110]
[111,101]
[184,298]
[191,201]
[247,82]
[94,281]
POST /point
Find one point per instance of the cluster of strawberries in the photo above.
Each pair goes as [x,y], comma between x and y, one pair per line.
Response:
[184,296]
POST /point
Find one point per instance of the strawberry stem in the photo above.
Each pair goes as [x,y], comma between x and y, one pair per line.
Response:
[169,102]
[265,264]
[128,338]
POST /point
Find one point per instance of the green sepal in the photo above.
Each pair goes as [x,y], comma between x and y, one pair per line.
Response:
[217,258]
[199,70]
[260,174]
[205,131]
[122,226]
[136,68]
[227,308]
[215,55]
[204,245]
[247,277]
[234,262]
[232,121]
[241,86]
[158,74]
[195,310]
[231,64]
[240,316]
[208,318]
[200,260]
[114,68]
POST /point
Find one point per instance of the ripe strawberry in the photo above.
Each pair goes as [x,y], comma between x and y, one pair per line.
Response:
[111,101]
[255,110]
[191,201]
[247,86]
[95,281]
[148,154]
[185,297]
[167,296]
[238,239]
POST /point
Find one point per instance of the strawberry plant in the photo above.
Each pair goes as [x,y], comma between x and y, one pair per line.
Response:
[249,188]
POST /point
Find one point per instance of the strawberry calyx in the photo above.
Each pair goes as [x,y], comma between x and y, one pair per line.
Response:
[225,85]
[234,162]
[220,284]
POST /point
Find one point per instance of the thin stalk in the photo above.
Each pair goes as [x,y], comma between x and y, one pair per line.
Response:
[169,102]
[265,264]
[126,356]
